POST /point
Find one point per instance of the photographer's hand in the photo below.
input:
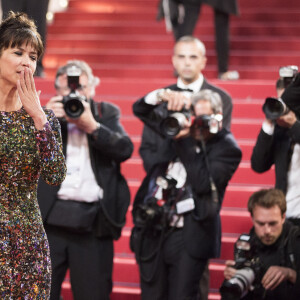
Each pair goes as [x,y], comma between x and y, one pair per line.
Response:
[55,104]
[229,271]
[287,120]
[86,121]
[185,131]
[176,100]
[275,275]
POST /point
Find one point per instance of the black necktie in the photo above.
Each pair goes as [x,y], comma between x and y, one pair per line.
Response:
[185,90]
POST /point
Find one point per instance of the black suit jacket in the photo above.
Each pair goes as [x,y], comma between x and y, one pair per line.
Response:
[275,150]
[202,235]
[108,148]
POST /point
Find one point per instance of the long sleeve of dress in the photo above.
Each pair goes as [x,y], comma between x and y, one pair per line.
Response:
[49,144]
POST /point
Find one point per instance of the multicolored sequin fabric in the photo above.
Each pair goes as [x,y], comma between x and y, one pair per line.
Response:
[25,154]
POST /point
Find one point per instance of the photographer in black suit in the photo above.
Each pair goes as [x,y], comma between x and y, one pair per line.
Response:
[176,209]
[189,61]
[278,144]
[87,211]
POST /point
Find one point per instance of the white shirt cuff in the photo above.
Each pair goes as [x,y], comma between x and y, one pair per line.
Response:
[152,98]
[268,128]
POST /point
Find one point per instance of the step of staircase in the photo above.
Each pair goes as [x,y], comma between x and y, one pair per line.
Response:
[163,42]
[234,220]
[241,128]
[236,195]
[271,14]
[245,145]
[133,170]
[248,90]
[162,57]
[122,5]
[122,248]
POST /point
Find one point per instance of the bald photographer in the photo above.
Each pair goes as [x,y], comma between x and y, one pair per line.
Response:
[176,209]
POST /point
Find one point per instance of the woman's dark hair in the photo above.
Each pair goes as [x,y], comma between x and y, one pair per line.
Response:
[17,29]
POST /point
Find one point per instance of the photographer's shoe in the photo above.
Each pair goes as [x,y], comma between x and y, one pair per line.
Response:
[229,75]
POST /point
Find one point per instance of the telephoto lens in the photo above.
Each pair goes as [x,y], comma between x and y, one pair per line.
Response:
[274,108]
[238,285]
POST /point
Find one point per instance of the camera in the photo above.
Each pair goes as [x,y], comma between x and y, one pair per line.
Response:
[210,122]
[167,200]
[175,122]
[248,274]
[275,107]
[154,212]
[288,73]
[73,103]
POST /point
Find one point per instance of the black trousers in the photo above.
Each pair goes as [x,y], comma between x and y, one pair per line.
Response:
[221,20]
[35,9]
[177,274]
[90,260]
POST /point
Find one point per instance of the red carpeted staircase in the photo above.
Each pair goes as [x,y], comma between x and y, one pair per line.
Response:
[131,52]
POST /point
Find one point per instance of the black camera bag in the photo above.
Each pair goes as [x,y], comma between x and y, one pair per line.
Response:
[73,215]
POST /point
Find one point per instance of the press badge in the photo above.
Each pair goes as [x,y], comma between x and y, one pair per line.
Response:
[185,206]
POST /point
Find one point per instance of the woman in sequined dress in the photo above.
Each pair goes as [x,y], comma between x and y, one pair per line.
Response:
[30,146]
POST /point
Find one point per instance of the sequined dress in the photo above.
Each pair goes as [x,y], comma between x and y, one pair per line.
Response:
[25,154]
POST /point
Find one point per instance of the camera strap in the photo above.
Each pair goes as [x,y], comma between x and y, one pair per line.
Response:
[290,241]
[214,191]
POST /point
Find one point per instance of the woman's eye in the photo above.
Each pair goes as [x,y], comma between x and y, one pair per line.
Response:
[34,58]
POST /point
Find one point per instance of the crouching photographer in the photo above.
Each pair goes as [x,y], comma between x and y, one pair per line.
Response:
[267,261]
[278,142]
[176,209]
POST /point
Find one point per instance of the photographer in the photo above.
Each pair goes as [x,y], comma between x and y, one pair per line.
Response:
[278,144]
[177,225]
[189,61]
[87,211]
[270,256]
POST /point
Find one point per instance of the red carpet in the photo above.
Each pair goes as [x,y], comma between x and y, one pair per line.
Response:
[131,52]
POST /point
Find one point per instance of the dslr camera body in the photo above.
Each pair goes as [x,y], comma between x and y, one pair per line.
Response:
[157,211]
[249,271]
[154,213]
[275,107]
[175,121]
[73,103]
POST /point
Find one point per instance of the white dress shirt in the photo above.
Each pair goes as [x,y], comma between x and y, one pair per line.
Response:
[80,183]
